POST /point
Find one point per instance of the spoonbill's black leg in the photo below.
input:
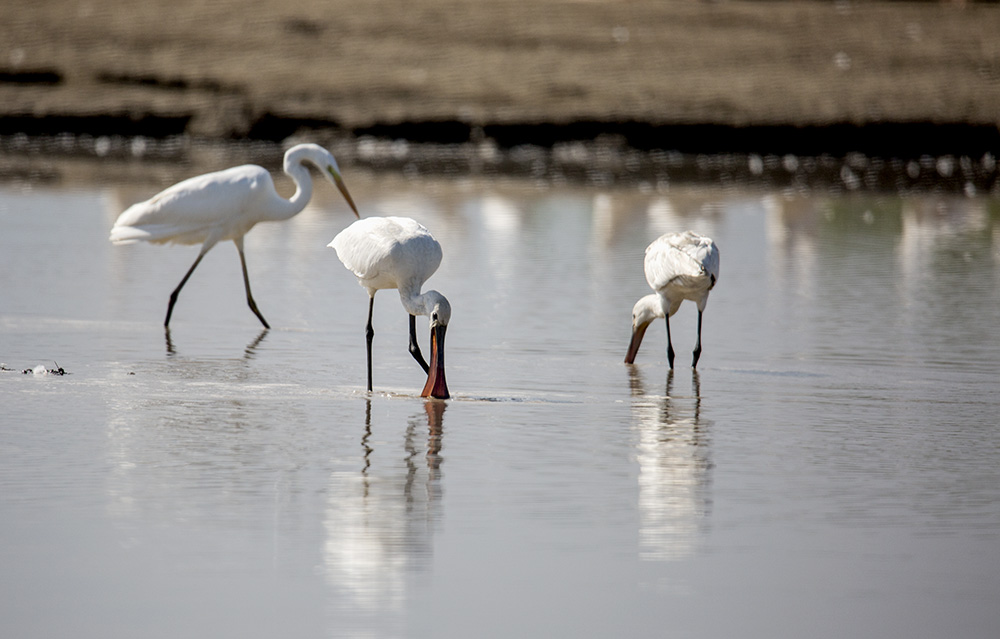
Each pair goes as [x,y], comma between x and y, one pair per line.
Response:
[414,347]
[697,344]
[670,346]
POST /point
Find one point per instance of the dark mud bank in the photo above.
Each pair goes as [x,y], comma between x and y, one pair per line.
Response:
[949,157]
[609,159]
[889,139]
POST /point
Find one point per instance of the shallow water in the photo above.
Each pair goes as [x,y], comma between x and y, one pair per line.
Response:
[831,470]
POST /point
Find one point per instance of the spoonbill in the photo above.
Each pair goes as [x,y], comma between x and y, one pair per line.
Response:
[400,253]
[679,266]
[225,205]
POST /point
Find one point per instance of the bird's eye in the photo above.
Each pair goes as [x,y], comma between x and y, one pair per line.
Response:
[434,316]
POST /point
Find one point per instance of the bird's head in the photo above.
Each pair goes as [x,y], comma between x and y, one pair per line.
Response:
[325,162]
[643,313]
[439,312]
[438,309]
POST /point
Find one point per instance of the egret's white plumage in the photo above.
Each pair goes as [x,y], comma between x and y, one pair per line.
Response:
[400,253]
[224,205]
[679,266]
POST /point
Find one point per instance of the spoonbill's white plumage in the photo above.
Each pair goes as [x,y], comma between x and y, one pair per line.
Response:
[400,253]
[679,266]
[224,205]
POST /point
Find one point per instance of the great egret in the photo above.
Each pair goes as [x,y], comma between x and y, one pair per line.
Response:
[224,205]
[397,252]
[679,266]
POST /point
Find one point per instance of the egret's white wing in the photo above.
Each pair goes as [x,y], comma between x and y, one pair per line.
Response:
[189,211]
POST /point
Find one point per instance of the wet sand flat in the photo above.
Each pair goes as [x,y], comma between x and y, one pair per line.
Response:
[264,68]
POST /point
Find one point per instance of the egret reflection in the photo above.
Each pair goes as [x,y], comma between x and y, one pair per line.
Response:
[674,468]
[249,351]
[380,522]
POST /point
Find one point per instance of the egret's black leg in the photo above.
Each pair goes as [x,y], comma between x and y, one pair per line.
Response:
[246,282]
[414,347]
[173,296]
[697,344]
[369,335]
[670,346]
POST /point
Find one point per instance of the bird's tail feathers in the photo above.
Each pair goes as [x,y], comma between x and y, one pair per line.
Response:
[127,235]
[150,233]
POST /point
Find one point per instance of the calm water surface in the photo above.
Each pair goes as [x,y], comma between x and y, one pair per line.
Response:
[831,470]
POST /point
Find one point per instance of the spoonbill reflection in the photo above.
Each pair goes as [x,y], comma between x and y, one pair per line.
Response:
[400,253]
[672,451]
[380,523]
[679,266]
[224,205]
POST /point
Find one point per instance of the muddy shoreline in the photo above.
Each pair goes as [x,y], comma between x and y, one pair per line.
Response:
[495,86]
[605,163]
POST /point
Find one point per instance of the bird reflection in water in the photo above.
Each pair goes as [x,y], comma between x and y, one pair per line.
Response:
[672,450]
[249,352]
[435,428]
[380,522]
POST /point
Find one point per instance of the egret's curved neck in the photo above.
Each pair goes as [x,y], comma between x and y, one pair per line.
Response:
[303,189]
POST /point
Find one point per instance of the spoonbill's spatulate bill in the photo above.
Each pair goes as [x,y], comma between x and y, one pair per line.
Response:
[223,206]
[679,266]
[399,253]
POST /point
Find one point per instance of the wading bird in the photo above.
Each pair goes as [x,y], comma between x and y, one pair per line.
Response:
[397,252]
[224,205]
[679,266]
